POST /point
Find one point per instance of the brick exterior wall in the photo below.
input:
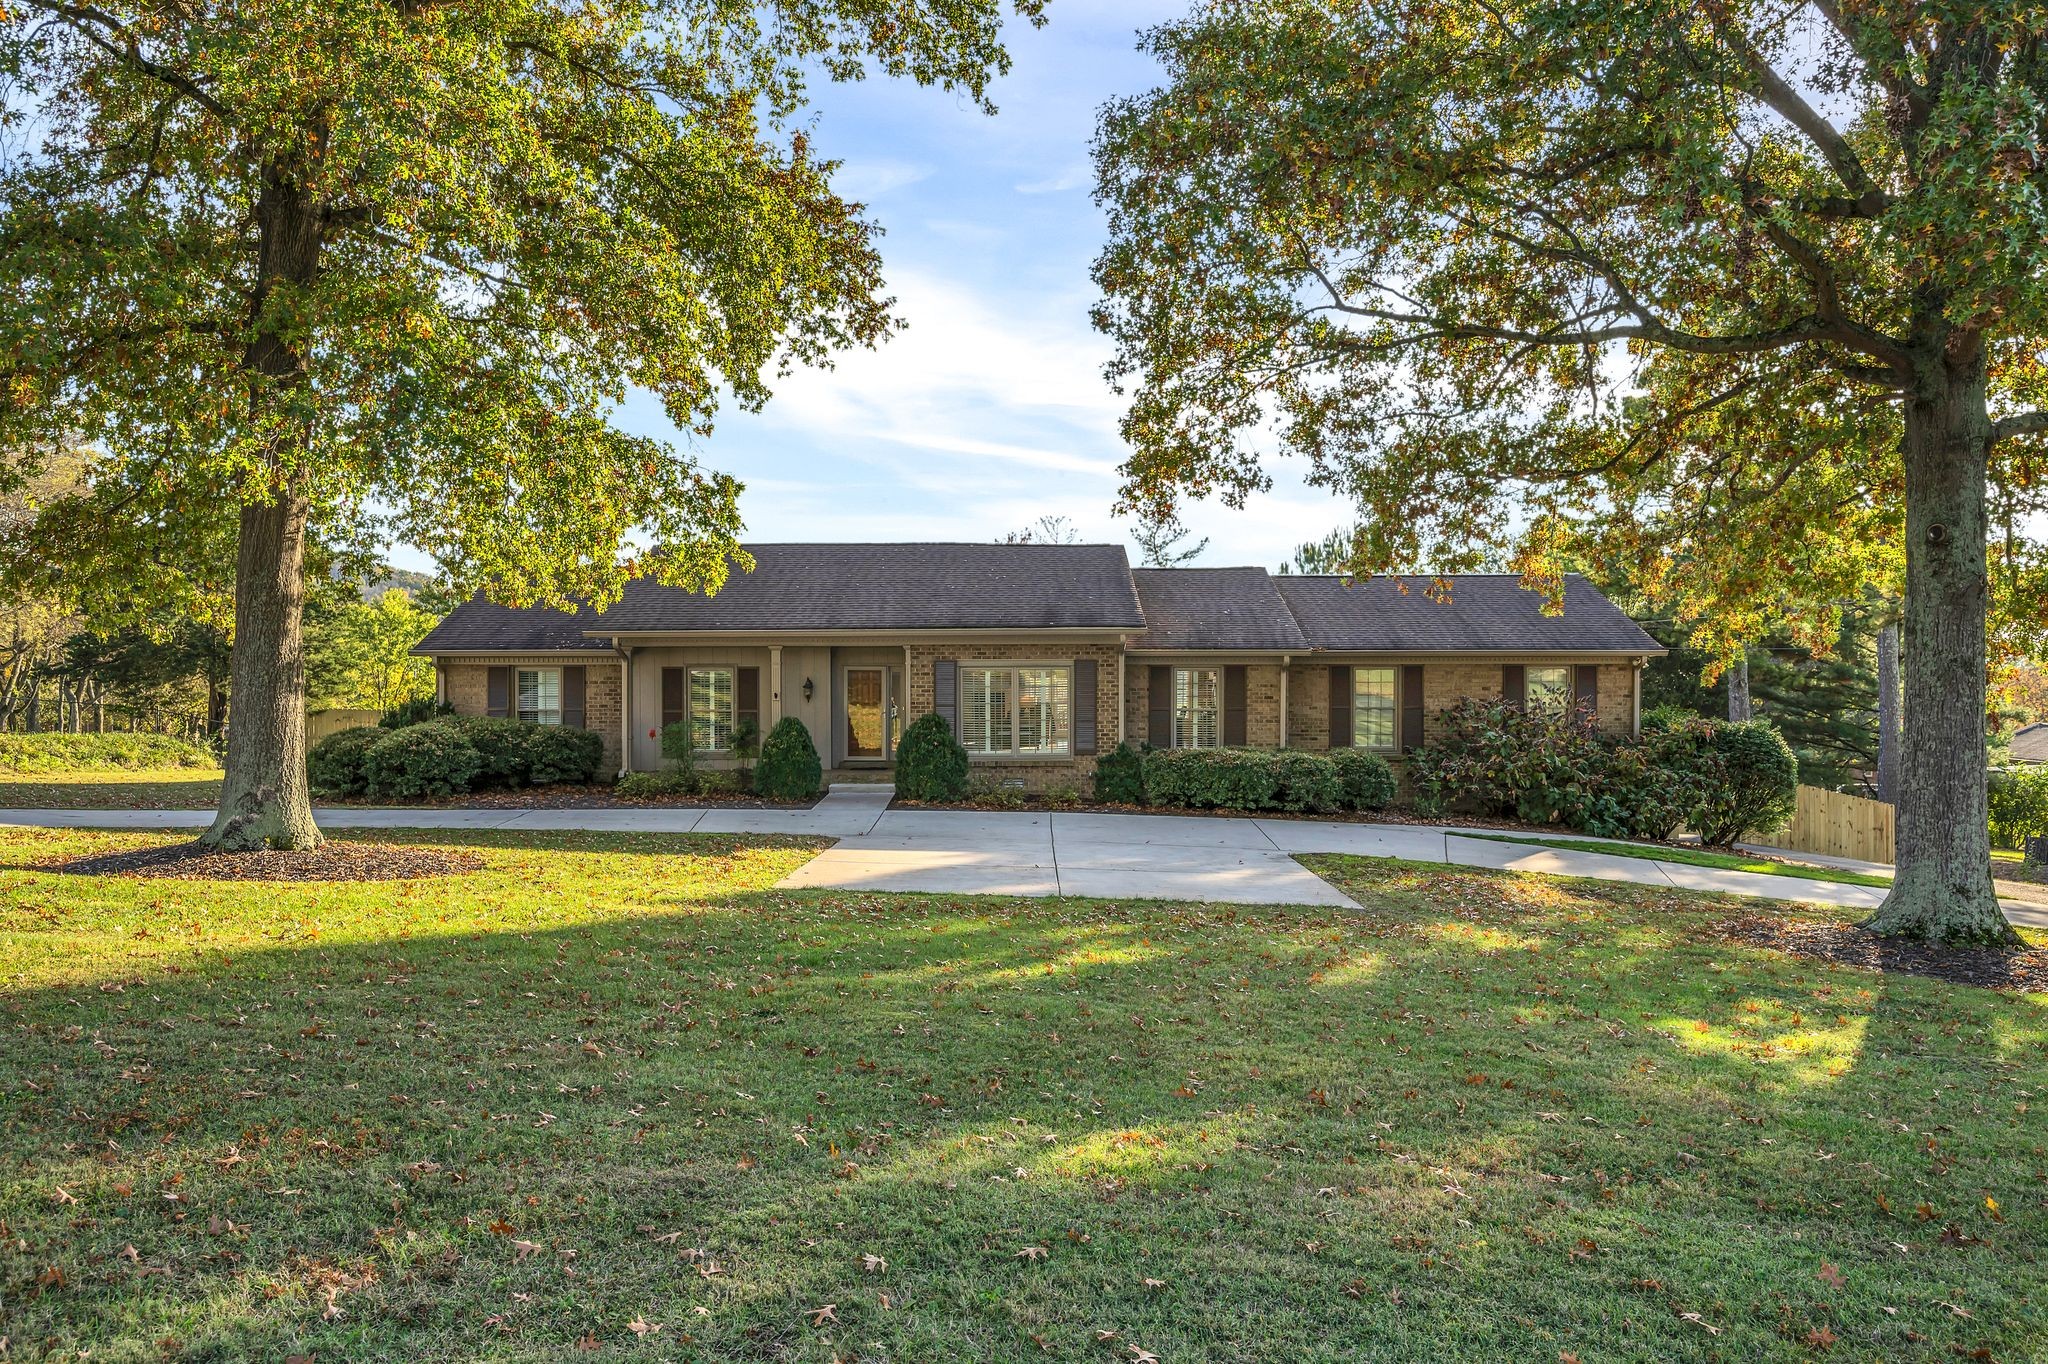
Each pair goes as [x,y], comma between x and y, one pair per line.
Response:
[1037,776]
[1261,697]
[466,686]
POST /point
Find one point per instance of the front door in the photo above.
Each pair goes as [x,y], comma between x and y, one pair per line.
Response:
[867,720]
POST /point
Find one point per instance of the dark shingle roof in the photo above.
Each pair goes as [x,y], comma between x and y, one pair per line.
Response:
[1485,613]
[482,627]
[2030,745]
[816,587]
[1214,608]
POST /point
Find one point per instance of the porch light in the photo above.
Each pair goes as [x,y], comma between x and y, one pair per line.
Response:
[807,689]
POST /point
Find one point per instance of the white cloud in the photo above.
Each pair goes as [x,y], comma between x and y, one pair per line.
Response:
[869,179]
[1073,177]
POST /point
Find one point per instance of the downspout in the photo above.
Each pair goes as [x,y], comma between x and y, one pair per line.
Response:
[1635,724]
[625,653]
[1286,661]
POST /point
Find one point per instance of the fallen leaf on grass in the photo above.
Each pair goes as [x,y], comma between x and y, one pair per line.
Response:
[873,1264]
[820,1315]
[1032,1253]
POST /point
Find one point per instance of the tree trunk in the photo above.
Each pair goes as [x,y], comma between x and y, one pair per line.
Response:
[1888,713]
[1942,890]
[264,801]
[1738,688]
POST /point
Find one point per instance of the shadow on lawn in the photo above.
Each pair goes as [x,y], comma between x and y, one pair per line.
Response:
[1404,1125]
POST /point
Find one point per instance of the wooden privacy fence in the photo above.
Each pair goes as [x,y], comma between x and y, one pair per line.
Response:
[321,723]
[1836,825]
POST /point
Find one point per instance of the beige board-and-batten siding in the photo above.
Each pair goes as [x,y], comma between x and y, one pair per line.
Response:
[466,685]
[1835,824]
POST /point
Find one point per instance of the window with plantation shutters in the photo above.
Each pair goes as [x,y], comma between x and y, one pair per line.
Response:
[1197,707]
[1374,711]
[1022,711]
[539,696]
[713,709]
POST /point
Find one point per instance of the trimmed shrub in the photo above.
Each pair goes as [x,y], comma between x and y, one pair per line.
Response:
[652,785]
[421,762]
[1062,796]
[1658,781]
[338,764]
[931,764]
[1212,778]
[2019,805]
[1306,783]
[417,711]
[500,748]
[1755,787]
[789,768]
[99,752]
[1368,779]
[1502,760]
[719,782]
[556,754]
[990,790]
[1120,776]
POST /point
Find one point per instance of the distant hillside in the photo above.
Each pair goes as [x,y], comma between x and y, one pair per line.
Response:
[407,580]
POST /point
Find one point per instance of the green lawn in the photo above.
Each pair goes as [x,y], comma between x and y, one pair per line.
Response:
[1693,857]
[112,788]
[615,1083]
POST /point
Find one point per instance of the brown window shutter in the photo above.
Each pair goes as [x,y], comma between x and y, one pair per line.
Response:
[746,691]
[498,692]
[1586,689]
[1233,705]
[674,696]
[1159,707]
[1340,707]
[1084,705]
[1514,683]
[1411,705]
[946,691]
[575,694]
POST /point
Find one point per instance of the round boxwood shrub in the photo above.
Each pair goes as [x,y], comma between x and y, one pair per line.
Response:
[336,766]
[500,748]
[1212,778]
[1756,786]
[1120,776]
[789,768]
[556,754]
[1368,779]
[1306,783]
[421,762]
[931,764]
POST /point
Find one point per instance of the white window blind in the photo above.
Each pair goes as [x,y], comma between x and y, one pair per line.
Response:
[540,696]
[1373,708]
[711,709]
[1548,690]
[1197,707]
[1020,711]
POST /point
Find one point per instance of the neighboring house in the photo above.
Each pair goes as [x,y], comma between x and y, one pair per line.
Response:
[1040,656]
[2030,745]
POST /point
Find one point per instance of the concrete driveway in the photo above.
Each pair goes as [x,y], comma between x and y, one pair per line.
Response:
[1135,856]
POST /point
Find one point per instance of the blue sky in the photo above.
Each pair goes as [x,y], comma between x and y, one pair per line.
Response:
[989,410]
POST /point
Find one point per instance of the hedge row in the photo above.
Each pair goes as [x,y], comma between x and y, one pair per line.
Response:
[98,752]
[450,756]
[1245,779]
[2019,805]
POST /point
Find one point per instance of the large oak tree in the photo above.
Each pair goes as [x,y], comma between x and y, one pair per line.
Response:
[394,264]
[1751,292]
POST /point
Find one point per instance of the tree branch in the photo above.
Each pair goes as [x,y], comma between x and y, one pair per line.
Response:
[1793,108]
[2023,424]
[101,29]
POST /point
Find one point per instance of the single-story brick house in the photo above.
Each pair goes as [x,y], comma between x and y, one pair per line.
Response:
[1040,656]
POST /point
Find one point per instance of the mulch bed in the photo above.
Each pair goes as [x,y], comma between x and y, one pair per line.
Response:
[1993,968]
[574,798]
[328,862]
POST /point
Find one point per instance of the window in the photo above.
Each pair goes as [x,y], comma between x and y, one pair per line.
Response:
[711,709]
[1197,707]
[1373,708]
[1548,690]
[540,696]
[1024,711]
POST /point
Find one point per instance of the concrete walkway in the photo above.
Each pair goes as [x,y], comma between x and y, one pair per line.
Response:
[1179,857]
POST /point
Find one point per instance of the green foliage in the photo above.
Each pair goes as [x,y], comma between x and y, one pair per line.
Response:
[339,765]
[421,762]
[1756,786]
[1654,784]
[1063,795]
[994,792]
[416,711]
[1307,783]
[2019,805]
[1213,778]
[789,768]
[1500,760]
[557,754]
[501,749]
[1120,776]
[931,763]
[679,745]
[90,752]
[655,785]
[1368,779]
[359,654]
